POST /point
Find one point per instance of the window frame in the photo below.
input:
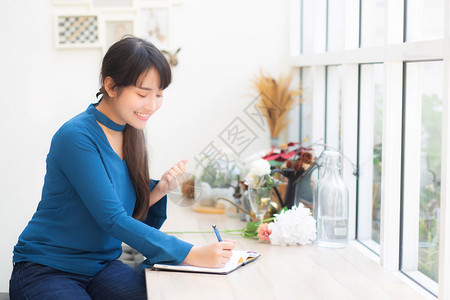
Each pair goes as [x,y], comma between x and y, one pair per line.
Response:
[364,231]
[410,196]
[393,54]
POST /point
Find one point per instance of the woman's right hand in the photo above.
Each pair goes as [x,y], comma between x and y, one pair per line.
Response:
[214,255]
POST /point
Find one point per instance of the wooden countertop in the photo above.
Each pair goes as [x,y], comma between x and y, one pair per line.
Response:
[291,272]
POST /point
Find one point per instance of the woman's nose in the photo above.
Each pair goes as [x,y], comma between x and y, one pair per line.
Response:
[150,104]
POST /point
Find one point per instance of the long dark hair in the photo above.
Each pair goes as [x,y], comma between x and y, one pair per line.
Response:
[125,62]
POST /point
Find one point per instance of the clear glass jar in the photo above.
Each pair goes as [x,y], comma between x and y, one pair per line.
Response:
[332,205]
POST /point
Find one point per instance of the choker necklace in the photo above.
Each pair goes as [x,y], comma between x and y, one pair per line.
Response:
[103,119]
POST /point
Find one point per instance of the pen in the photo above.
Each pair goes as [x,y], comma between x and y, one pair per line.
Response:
[217,233]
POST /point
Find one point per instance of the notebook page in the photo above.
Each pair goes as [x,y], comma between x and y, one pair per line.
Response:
[236,259]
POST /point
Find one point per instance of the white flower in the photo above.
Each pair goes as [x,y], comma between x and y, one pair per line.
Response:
[292,227]
[259,175]
[258,171]
[260,167]
[253,180]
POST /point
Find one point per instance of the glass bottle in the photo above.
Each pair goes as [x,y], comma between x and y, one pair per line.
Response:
[332,205]
[316,190]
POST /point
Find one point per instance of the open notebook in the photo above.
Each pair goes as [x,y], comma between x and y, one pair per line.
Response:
[238,259]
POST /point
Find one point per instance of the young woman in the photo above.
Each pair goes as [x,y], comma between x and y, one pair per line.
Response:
[98,193]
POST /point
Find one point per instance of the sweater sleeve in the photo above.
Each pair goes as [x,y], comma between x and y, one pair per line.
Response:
[80,161]
[157,213]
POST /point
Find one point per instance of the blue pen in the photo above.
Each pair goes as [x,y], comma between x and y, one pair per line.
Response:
[217,233]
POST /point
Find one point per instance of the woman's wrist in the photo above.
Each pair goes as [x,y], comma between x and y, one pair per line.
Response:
[191,257]
[156,194]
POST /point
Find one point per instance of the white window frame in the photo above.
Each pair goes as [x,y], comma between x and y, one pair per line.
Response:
[334,103]
[366,145]
[412,178]
[393,55]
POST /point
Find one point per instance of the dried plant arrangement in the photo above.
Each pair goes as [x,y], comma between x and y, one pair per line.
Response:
[276,100]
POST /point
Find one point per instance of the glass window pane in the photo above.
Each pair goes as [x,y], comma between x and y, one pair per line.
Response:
[335,30]
[313,26]
[424,20]
[422,171]
[333,110]
[372,23]
[306,106]
[370,154]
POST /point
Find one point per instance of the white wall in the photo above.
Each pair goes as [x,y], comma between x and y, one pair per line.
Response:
[224,43]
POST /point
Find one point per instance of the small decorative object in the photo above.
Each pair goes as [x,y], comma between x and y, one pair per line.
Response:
[216,179]
[260,199]
[115,30]
[186,194]
[332,205]
[172,57]
[243,206]
[188,187]
[260,184]
[155,25]
[233,210]
[276,100]
[297,169]
[70,2]
[278,155]
[110,4]
[77,31]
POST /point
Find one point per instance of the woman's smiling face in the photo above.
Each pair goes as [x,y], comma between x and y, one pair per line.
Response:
[134,105]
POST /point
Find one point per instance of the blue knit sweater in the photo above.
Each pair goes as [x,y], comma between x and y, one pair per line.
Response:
[87,201]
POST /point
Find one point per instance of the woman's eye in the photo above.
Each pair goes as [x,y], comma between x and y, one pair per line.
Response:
[159,96]
[142,96]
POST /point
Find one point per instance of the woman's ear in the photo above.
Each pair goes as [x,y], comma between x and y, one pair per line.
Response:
[109,87]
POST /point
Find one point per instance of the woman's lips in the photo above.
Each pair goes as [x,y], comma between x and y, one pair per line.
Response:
[142,116]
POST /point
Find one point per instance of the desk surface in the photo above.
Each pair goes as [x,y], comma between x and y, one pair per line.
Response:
[293,272]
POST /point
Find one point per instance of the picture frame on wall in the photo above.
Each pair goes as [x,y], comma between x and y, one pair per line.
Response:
[71,2]
[115,30]
[112,3]
[155,25]
[77,31]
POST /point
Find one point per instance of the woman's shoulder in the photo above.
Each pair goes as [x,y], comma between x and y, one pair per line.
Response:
[81,126]
[78,136]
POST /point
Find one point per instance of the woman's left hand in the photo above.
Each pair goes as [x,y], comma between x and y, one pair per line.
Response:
[173,177]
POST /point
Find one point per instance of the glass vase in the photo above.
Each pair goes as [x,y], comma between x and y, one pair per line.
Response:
[260,199]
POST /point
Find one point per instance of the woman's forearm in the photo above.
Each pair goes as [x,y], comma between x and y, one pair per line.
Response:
[155,195]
